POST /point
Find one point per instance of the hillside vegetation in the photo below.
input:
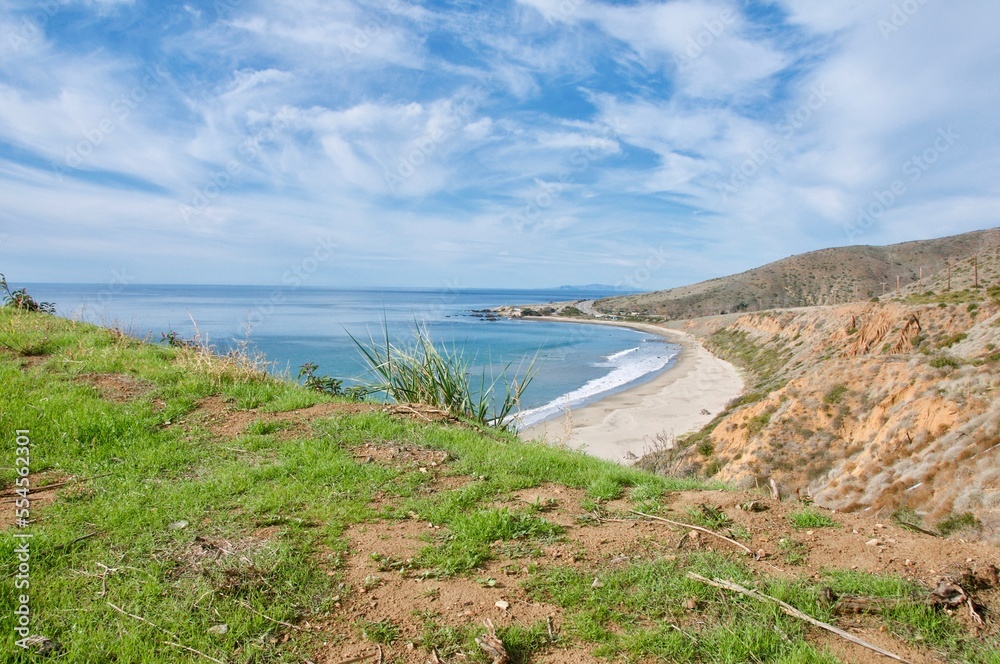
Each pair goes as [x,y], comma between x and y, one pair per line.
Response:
[185,507]
[884,406]
[828,276]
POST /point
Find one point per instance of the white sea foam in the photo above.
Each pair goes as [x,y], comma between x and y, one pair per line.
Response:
[625,366]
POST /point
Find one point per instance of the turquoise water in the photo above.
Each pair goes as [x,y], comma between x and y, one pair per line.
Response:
[576,363]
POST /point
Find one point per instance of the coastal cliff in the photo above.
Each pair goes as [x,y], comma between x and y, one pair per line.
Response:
[888,406]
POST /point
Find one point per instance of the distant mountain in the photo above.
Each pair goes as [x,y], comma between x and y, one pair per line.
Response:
[827,276]
[608,288]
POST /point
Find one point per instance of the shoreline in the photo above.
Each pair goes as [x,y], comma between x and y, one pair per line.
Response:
[623,426]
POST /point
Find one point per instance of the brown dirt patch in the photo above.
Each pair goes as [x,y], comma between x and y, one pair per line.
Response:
[224,421]
[378,585]
[377,592]
[42,492]
[860,541]
[875,635]
[119,388]
[32,361]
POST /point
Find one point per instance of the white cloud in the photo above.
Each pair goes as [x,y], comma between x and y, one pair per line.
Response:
[830,16]
[704,42]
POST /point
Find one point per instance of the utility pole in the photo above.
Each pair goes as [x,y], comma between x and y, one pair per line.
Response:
[884,284]
[949,274]
[921,278]
[975,269]
[897,282]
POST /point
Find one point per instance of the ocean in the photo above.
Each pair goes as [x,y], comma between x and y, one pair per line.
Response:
[576,363]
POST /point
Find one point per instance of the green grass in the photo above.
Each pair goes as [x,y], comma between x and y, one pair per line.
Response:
[379,631]
[810,517]
[792,551]
[467,543]
[638,612]
[709,516]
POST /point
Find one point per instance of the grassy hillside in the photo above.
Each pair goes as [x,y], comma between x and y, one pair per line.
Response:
[828,276]
[183,507]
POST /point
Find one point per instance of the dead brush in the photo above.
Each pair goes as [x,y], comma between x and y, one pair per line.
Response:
[243,363]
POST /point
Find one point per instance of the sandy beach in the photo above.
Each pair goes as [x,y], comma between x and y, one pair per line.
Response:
[622,426]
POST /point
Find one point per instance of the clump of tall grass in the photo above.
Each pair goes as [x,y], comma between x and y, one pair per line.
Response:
[421,372]
[241,363]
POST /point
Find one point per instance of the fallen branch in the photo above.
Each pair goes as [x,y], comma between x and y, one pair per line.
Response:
[39,489]
[78,539]
[411,409]
[699,529]
[792,611]
[915,527]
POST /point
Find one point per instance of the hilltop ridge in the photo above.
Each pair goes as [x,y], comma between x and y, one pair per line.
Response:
[823,277]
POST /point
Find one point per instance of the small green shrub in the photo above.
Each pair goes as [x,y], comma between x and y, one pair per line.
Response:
[957,522]
[810,517]
[262,428]
[175,340]
[945,362]
[835,394]
[328,384]
[757,423]
[19,299]
[570,311]
[948,342]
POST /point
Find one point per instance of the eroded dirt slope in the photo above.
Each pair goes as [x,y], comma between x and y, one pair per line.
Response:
[866,406]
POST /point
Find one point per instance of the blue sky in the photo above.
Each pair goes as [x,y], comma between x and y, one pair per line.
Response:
[525,143]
